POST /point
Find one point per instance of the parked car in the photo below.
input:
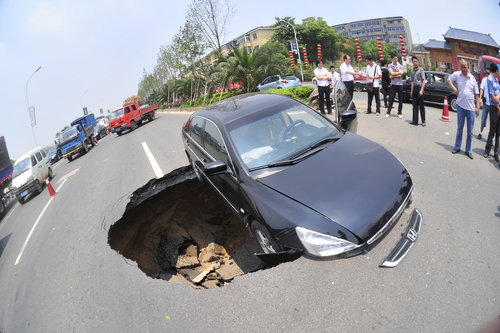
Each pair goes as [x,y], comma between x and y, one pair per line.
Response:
[54,154]
[101,128]
[360,82]
[299,181]
[30,172]
[279,82]
[436,88]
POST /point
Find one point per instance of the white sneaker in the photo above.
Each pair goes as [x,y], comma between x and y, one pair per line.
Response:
[400,116]
[387,115]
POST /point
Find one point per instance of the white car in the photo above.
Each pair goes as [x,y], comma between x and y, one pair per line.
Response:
[30,172]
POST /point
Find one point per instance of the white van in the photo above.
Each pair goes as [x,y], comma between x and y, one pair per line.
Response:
[30,172]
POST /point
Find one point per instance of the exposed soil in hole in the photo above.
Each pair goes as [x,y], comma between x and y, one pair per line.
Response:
[176,228]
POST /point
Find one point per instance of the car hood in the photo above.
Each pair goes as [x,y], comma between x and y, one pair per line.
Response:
[354,182]
[21,179]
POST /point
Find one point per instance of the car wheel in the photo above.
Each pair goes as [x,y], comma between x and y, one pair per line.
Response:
[133,125]
[39,187]
[264,239]
[51,174]
[151,116]
[119,133]
[358,87]
[21,200]
[453,103]
[85,148]
[70,158]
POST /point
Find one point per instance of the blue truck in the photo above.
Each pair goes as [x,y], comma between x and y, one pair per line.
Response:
[77,138]
[5,173]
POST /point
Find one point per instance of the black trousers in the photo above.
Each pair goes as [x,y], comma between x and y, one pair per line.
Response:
[375,93]
[385,92]
[324,93]
[392,94]
[350,87]
[494,130]
[418,103]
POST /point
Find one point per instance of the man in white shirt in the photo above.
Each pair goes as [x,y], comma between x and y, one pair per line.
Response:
[322,76]
[467,91]
[347,74]
[374,74]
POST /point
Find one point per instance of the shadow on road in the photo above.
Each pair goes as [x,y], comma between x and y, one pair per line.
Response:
[3,243]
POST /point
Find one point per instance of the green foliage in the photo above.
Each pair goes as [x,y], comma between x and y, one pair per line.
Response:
[271,58]
[294,92]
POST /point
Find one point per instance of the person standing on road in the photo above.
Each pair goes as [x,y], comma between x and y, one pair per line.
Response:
[386,81]
[494,109]
[322,75]
[396,72]
[484,96]
[418,82]
[467,91]
[374,74]
[334,77]
[347,73]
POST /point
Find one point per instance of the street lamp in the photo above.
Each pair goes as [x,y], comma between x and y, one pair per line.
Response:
[298,50]
[32,117]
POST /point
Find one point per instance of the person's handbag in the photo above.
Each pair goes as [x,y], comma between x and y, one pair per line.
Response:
[369,86]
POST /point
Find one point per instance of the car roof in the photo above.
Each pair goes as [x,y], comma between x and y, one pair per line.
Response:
[28,154]
[237,107]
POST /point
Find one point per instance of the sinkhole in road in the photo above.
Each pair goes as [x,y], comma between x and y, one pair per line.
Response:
[176,228]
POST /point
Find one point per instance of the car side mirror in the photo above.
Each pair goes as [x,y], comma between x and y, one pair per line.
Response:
[215,167]
[349,121]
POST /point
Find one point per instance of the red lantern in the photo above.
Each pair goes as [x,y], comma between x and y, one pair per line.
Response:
[292,60]
[320,56]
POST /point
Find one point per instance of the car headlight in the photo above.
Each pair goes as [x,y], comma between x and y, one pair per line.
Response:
[321,245]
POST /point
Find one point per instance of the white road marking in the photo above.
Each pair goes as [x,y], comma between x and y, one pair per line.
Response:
[152,161]
[36,223]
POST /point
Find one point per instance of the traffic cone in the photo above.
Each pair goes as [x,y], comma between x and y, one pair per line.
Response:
[446,114]
[52,192]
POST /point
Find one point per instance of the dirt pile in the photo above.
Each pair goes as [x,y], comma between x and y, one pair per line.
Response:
[176,228]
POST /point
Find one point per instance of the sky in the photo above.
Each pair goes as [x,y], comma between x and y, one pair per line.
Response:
[93,53]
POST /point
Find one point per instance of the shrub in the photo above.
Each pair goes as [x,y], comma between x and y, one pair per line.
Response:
[294,92]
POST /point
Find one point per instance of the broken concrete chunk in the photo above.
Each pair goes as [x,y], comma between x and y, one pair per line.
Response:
[189,258]
[211,284]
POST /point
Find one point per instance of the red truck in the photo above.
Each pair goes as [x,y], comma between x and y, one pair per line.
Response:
[130,116]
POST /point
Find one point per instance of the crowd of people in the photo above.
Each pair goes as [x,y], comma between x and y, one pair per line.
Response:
[388,80]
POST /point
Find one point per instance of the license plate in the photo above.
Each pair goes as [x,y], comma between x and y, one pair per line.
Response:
[25,193]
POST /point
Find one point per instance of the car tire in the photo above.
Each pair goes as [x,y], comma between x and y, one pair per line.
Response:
[264,239]
[38,186]
[51,174]
[358,87]
[2,208]
[133,125]
[119,133]
[151,116]
[85,148]
[70,158]
[453,103]
[21,200]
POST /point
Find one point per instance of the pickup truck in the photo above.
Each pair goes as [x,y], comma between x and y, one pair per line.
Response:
[130,116]
[5,173]
[76,138]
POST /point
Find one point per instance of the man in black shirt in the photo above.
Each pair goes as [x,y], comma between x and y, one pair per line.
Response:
[386,81]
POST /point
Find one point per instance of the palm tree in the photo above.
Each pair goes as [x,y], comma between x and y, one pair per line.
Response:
[238,67]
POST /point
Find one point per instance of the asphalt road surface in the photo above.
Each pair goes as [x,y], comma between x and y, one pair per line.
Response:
[58,273]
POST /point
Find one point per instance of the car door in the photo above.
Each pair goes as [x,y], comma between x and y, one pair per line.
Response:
[194,142]
[45,163]
[440,87]
[39,169]
[226,183]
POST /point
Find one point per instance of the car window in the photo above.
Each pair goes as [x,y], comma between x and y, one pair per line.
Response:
[266,80]
[33,160]
[127,110]
[43,153]
[196,128]
[439,78]
[275,78]
[214,145]
[133,107]
[280,134]
[38,156]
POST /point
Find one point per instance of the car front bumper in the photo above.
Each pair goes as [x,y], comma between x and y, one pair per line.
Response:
[25,189]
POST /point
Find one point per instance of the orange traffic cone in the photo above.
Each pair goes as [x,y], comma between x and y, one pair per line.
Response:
[52,192]
[446,114]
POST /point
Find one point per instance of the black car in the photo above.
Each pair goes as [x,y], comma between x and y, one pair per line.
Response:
[299,181]
[435,90]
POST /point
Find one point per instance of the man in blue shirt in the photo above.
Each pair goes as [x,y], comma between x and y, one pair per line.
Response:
[493,101]
[467,91]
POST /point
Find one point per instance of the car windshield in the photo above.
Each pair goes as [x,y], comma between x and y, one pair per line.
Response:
[68,133]
[115,114]
[52,150]
[22,166]
[280,135]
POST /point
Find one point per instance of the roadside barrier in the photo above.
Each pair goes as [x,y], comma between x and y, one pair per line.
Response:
[52,192]
[446,114]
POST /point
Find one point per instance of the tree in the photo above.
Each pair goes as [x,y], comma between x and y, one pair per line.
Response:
[238,67]
[212,17]
[270,58]
[370,48]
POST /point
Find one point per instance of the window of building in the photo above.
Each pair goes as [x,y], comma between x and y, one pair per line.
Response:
[254,35]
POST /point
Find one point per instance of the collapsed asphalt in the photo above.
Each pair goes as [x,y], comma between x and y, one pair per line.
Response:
[176,228]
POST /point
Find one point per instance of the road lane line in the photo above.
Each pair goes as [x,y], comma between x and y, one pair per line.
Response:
[34,225]
[152,161]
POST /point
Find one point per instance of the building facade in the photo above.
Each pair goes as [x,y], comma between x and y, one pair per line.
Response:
[460,44]
[387,28]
